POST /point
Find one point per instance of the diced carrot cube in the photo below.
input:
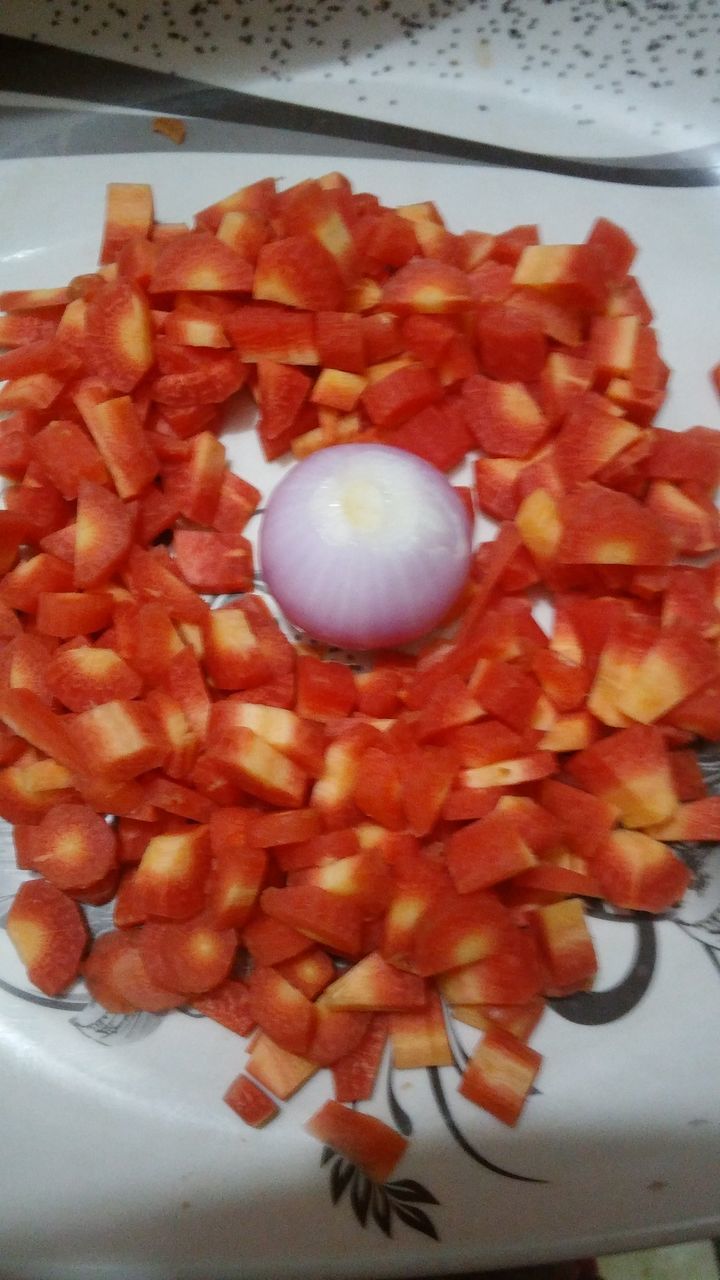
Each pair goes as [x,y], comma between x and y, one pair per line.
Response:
[259,769]
[697,820]
[24,664]
[199,262]
[639,872]
[117,978]
[147,639]
[300,740]
[67,456]
[510,773]
[119,339]
[103,535]
[281,1010]
[128,213]
[378,792]
[374,985]
[73,847]
[288,826]
[428,287]
[603,527]
[196,485]
[456,930]
[23,585]
[281,1072]
[227,1004]
[171,797]
[427,777]
[262,332]
[511,343]
[118,739]
[237,501]
[321,916]
[519,1019]
[257,197]
[31,718]
[629,769]
[310,972]
[235,881]
[210,565]
[500,1074]
[71,613]
[150,577]
[404,392]
[186,685]
[170,880]
[282,391]
[340,341]
[299,272]
[419,1036]
[118,432]
[49,934]
[269,941]
[249,1101]
[566,945]
[189,956]
[513,975]
[354,1074]
[571,274]
[362,1139]
[486,852]
[363,878]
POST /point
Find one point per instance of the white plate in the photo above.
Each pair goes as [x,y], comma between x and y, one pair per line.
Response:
[580,78]
[118,1156]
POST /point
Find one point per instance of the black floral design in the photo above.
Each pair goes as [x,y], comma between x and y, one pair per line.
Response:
[595,1008]
[381,1202]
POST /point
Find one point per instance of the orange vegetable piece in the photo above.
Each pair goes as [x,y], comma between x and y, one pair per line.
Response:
[117,430]
[73,847]
[190,956]
[117,740]
[250,1102]
[281,1072]
[299,272]
[362,1139]
[500,1074]
[281,1010]
[227,1004]
[419,1036]
[49,934]
[117,978]
[170,880]
[354,1074]
[103,536]
[321,916]
[636,871]
[119,340]
[128,213]
[198,262]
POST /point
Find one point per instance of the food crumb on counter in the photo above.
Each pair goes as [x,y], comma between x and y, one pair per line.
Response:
[173,129]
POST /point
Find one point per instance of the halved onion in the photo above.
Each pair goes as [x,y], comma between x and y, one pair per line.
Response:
[365,546]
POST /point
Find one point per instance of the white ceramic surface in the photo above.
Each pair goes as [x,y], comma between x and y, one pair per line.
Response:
[584,78]
[119,1158]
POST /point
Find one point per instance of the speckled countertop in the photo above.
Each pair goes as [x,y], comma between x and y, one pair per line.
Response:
[634,85]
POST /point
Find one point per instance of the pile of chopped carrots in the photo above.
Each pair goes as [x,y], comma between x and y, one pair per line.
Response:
[318,859]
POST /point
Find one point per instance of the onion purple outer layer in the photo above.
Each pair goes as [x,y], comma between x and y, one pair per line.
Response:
[365,546]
